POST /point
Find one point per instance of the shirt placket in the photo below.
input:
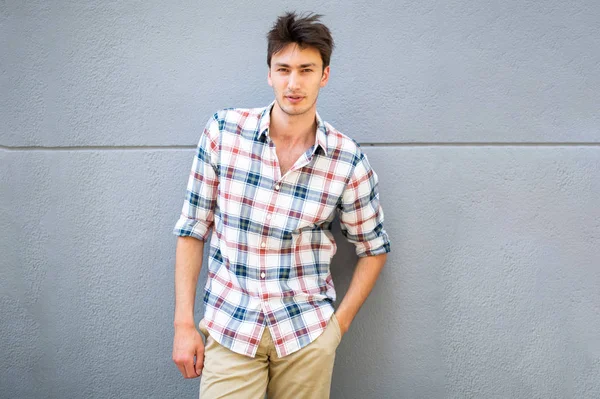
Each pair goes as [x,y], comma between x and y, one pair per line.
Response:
[273,169]
[278,181]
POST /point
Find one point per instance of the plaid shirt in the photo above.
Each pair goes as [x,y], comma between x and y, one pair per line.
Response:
[271,243]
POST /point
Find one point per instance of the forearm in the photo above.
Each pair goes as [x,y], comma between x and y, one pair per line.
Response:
[365,275]
[188,262]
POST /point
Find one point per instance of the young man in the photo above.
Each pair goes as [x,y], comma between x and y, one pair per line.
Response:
[269,182]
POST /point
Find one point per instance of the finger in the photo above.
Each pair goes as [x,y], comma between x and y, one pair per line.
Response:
[181,369]
[180,363]
[190,368]
[190,371]
[177,360]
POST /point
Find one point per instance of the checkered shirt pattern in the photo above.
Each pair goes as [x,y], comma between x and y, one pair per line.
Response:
[271,243]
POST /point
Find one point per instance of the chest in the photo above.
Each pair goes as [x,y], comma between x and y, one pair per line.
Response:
[287,157]
[300,197]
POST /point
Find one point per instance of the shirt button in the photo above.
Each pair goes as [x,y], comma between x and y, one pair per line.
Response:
[264,244]
[277,187]
[268,217]
[262,275]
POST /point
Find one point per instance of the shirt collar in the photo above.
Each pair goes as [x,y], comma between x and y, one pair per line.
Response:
[265,121]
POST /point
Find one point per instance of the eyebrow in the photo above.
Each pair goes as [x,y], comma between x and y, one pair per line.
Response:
[312,64]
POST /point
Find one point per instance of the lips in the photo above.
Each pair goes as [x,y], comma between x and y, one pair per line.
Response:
[294,99]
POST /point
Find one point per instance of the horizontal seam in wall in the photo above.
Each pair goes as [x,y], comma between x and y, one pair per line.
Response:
[366,144]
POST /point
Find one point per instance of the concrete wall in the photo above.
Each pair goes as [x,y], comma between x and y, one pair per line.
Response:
[482,119]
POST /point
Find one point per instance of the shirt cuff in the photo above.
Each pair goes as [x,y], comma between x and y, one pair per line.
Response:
[377,246]
[186,227]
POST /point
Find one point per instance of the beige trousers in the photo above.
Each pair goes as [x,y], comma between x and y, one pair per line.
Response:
[303,374]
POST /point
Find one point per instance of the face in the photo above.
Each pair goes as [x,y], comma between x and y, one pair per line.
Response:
[296,76]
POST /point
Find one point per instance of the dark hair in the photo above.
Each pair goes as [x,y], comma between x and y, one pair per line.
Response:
[306,31]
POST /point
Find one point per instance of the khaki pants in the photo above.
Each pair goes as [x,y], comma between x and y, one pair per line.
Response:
[303,374]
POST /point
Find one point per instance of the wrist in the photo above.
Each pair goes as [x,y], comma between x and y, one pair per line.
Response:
[343,321]
[184,324]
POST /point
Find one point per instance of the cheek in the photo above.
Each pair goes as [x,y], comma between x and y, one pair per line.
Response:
[276,82]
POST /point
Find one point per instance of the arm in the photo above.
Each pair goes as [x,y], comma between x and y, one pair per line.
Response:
[364,278]
[193,228]
[361,219]
[187,342]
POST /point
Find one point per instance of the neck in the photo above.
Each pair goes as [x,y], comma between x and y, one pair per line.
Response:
[293,128]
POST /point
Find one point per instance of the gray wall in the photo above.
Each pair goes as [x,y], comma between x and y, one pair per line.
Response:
[482,119]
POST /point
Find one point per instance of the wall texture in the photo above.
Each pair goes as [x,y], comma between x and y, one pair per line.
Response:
[482,119]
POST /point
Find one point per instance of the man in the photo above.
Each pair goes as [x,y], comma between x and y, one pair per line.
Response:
[268,182]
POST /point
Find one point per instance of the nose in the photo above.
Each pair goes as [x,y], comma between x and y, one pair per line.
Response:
[293,81]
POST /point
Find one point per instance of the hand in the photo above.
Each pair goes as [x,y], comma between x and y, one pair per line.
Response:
[187,343]
[343,322]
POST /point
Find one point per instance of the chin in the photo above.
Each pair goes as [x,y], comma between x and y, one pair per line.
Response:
[295,111]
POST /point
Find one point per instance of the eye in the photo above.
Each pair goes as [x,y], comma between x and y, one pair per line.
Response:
[307,70]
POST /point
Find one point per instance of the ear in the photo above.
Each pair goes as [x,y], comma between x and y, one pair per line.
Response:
[325,76]
[269,78]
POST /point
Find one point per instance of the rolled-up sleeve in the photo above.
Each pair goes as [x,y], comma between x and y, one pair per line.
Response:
[361,215]
[197,215]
